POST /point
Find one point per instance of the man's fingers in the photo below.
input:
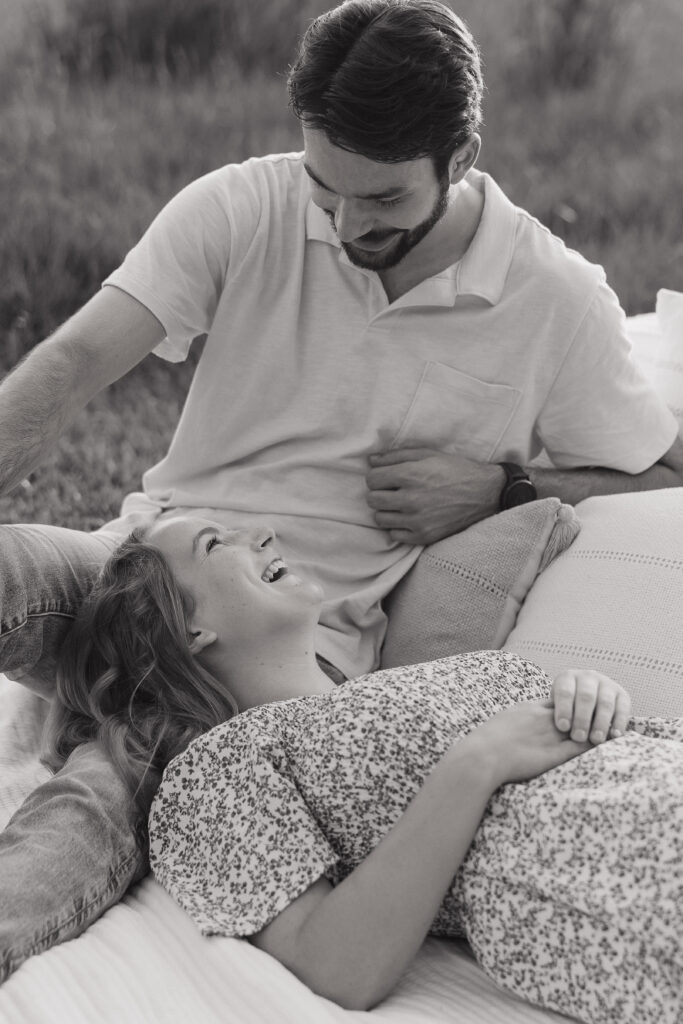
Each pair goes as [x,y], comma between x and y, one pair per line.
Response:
[403,536]
[396,455]
[390,520]
[386,500]
[383,478]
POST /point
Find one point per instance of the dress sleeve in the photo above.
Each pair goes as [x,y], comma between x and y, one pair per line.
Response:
[601,410]
[231,837]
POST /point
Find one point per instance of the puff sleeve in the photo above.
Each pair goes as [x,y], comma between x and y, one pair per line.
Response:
[231,837]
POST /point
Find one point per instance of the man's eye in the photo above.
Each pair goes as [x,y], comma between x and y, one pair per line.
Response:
[388,202]
[210,543]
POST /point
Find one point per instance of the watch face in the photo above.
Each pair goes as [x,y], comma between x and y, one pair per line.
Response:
[519,492]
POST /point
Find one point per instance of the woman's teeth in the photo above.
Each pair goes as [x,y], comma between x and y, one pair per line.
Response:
[275,571]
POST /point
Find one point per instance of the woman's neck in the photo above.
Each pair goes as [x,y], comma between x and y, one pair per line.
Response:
[276,671]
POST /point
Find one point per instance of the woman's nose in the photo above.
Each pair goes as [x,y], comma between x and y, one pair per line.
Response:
[257,537]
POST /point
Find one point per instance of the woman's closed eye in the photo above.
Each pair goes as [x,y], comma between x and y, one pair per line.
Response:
[211,542]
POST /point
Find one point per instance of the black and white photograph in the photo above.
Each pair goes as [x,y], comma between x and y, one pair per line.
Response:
[341,512]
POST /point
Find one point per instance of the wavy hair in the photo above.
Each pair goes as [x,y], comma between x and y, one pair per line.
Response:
[126,676]
[392,80]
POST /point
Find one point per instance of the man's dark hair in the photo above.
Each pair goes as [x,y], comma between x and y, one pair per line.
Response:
[391,80]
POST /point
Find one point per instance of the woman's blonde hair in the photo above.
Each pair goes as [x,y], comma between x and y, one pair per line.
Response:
[127,677]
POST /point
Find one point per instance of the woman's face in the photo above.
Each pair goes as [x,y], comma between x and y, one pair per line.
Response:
[243,591]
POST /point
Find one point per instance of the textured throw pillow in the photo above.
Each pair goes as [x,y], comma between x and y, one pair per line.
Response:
[657,340]
[614,600]
[464,592]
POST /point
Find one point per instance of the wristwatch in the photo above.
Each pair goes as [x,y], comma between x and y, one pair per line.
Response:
[518,488]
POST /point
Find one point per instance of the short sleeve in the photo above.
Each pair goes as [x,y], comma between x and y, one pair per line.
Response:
[178,268]
[231,837]
[601,410]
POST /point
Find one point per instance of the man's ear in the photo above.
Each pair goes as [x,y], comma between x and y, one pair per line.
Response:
[200,638]
[464,158]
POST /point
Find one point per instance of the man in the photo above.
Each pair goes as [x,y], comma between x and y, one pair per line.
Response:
[389,342]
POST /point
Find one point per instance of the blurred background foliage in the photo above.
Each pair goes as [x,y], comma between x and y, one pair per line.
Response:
[108,107]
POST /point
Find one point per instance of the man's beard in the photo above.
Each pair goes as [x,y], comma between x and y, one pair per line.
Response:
[405,239]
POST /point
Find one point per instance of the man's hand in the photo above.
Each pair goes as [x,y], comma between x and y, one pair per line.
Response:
[589,705]
[421,495]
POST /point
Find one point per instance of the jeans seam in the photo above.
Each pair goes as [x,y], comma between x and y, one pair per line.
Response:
[37,615]
[45,941]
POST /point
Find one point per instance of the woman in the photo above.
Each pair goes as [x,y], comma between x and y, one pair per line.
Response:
[337,826]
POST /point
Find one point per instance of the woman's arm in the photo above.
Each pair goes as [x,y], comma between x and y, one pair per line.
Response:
[352,943]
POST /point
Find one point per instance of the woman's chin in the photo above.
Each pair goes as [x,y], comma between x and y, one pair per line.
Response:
[306,589]
[316,592]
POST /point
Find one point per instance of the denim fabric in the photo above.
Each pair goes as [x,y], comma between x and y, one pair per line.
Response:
[72,849]
[45,572]
[75,845]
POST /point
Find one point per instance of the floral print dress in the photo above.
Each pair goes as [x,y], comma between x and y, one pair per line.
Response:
[571,894]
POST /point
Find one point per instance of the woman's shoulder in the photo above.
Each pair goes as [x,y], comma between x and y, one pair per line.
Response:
[249,736]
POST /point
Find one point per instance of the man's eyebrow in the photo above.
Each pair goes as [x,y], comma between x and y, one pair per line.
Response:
[198,536]
[390,193]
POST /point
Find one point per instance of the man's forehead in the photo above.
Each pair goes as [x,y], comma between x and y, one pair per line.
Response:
[348,173]
[382,190]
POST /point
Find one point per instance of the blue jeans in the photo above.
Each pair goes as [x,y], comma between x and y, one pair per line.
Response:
[77,843]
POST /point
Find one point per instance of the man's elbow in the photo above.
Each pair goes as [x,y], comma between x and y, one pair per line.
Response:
[673,460]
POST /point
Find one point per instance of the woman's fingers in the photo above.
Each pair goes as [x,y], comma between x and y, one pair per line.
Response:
[587,700]
[564,688]
[622,714]
[603,715]
[590,706]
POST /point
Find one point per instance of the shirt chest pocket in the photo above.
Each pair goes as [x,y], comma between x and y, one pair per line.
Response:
[454,412]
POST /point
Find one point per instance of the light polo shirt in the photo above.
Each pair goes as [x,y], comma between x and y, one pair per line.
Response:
[307,369]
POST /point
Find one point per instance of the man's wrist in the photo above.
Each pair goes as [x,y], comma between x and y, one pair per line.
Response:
[517,488]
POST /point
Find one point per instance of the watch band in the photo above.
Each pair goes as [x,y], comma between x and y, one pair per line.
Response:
[517,489]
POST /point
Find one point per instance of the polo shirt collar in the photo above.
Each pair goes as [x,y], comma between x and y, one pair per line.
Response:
[483,269]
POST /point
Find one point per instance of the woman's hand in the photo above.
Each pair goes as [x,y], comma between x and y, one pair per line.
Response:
[589,705]
[520,743]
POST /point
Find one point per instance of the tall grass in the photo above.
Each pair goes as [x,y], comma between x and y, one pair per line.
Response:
[88,167]
[111,107]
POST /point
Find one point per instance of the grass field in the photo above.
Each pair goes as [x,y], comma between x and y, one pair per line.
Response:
[85,165]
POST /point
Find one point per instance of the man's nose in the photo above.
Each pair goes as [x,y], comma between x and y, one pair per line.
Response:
[350,221]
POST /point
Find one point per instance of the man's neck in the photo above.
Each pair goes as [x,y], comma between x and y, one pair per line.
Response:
[446,243]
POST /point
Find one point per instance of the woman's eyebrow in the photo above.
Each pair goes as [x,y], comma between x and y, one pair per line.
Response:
[198,536]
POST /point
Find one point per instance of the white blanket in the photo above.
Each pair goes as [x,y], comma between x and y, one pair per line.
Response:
[144,962]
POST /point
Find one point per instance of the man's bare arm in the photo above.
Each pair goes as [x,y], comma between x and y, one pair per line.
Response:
[573,485]
[421,495]
[42,396]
